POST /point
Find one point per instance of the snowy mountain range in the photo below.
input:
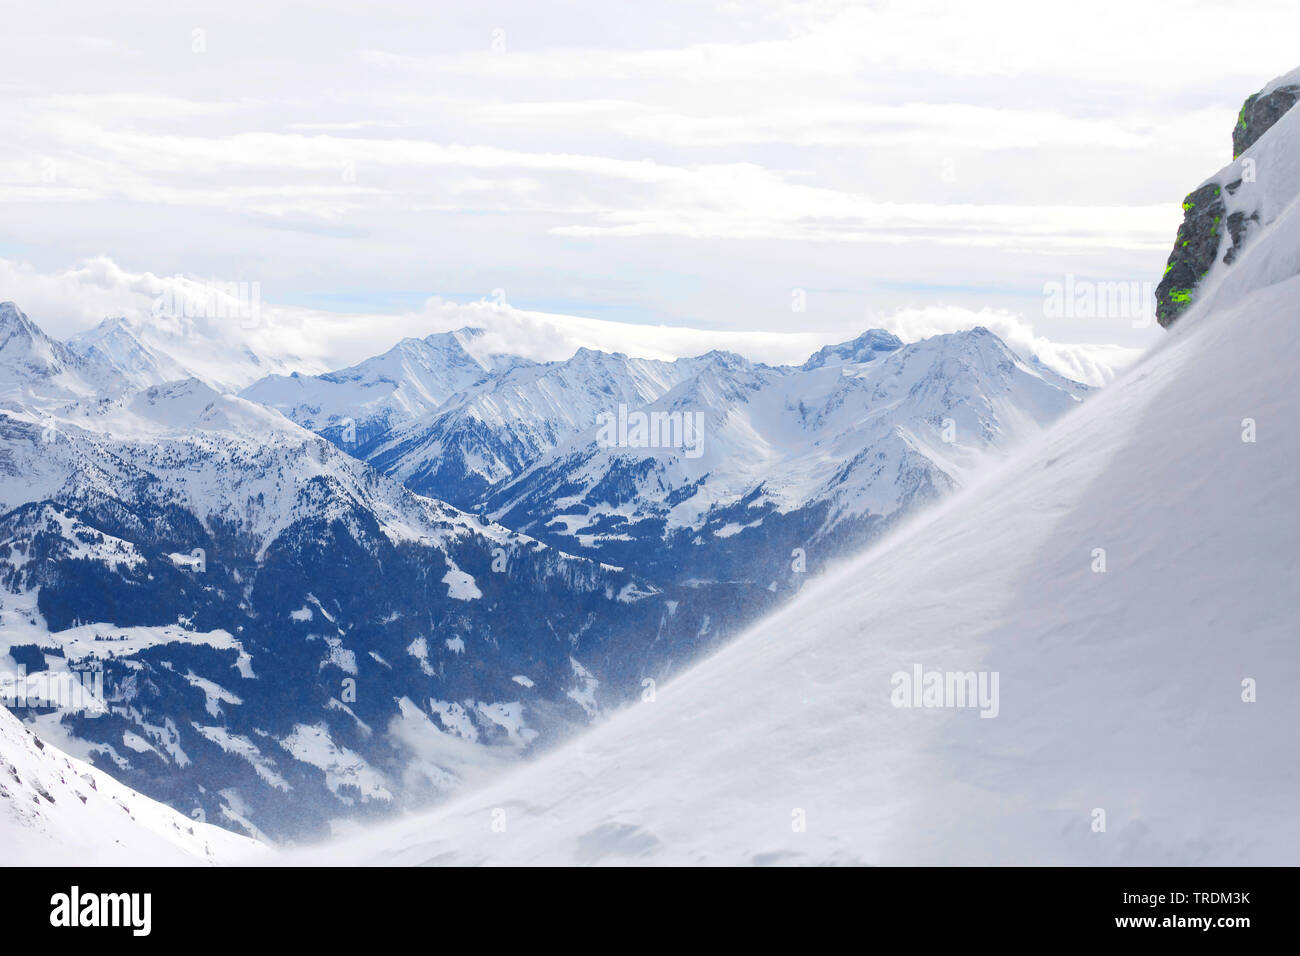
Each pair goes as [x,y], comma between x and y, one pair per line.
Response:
[292,631]
[413,377]
[267,610]
[815,457]
[1115,599]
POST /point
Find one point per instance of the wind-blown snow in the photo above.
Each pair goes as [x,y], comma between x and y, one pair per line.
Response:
[167,348]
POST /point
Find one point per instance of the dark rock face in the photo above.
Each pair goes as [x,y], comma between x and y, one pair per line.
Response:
[1238,225]
[1206,213]
[1195,249]
[1258,114]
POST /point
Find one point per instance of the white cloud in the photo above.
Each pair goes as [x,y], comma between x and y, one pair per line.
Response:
[680,164]
[311,340]
[70,300]
[1092,364]
[940,126]
[645,198]
[548,337]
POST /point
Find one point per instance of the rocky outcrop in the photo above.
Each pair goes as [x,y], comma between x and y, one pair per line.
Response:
[1259,112]
[1195,249]
[1220,207]
[1239,224]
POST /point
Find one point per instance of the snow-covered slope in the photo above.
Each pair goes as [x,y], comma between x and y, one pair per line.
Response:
[56,810]
[1128,576]
[119,344]
[412,378]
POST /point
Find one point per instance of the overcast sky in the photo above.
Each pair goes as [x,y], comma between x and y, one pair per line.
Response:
[683,164]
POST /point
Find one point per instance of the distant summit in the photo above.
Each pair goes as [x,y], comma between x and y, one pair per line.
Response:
[869,345]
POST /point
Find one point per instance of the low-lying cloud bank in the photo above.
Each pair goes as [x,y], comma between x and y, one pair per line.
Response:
[70,300]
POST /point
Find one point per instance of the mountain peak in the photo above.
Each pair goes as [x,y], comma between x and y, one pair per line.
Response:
[979,334]
[722,358]
[978,342]
[21,339]
[458,337]
[13,319]
[869,345]
[590,356]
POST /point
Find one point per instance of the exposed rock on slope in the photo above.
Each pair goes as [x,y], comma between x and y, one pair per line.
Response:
[1195,250]
[1260,111]
[1208,213]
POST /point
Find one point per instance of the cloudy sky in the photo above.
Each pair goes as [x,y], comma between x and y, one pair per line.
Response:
[809,168]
